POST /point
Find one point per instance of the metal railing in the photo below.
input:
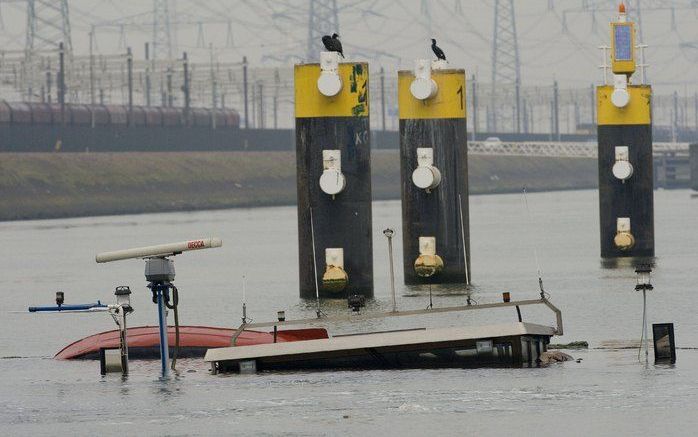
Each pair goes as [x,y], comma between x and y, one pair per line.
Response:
[557,149]
[429,311]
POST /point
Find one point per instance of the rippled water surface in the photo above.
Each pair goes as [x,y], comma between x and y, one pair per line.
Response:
[607,393]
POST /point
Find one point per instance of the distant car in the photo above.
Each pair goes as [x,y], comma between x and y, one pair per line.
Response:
[493,141]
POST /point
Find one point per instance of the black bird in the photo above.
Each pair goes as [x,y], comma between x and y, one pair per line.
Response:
[437,51]
[333,44]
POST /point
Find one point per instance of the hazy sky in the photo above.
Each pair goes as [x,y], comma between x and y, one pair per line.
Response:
[275,32]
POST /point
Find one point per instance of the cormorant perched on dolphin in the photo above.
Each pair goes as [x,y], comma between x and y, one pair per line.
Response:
[333,44]
[437,51]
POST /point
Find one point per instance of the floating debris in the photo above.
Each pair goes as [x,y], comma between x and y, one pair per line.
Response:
[550,357]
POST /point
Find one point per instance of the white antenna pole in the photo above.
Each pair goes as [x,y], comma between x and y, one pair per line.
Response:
[317,287]
[462,234]
[535,250]
[244,299]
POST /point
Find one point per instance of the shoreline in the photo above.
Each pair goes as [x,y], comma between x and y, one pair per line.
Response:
[35,186]
[255,206]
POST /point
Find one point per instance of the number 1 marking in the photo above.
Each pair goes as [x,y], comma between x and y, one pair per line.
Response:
[460,91]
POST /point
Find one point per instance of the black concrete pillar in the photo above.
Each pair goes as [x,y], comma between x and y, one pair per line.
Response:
[333,144]
[626,202]
[434,177]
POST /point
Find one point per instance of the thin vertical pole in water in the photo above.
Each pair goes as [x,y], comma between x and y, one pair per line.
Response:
[462,234]
[317,287]
[392,268]
[162,319]
[644,326]
[123,342]
[535,249]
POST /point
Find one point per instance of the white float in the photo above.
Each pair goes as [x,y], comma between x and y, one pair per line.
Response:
[620,96]
[423,86]
[332,181]
[329,83]
[426,176]
[622,169]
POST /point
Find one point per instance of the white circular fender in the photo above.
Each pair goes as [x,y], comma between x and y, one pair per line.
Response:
[332,182]
[620,97]
[622,170]
[329,84]
[426,178]
[423,89]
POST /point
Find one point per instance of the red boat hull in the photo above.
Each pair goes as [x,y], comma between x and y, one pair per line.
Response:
[144,341]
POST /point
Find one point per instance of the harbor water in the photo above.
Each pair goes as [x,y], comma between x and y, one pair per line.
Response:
[608,392]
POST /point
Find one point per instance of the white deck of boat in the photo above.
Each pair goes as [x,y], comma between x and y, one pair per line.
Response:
[377,340]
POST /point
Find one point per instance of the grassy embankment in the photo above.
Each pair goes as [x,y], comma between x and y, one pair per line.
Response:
[35,186]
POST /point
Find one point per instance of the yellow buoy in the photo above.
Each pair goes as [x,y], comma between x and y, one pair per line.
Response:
[335,279]
[427,266]
[624,240]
